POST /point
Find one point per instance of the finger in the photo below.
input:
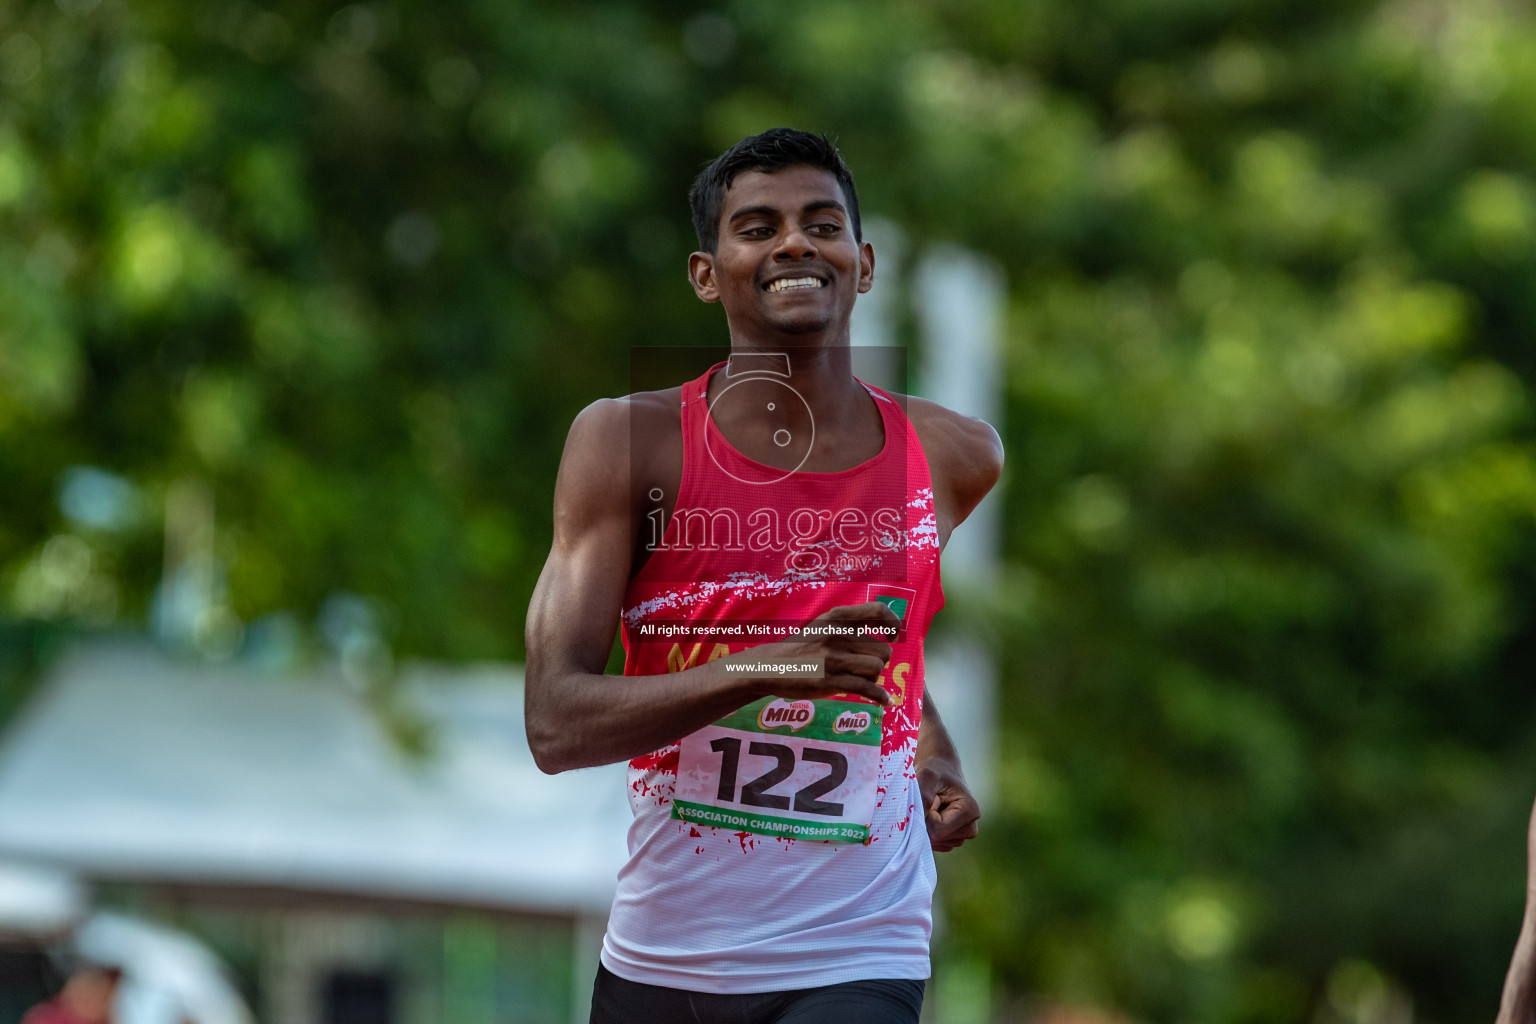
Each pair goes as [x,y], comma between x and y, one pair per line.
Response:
[858,686]
[953,833]
[945,802]
[958,832]
[950,843]
[961,809]
[868,611]
[871,612]
[941,837]
[955,819]
[873,648]
[863,643]
[848,663]
[942,840]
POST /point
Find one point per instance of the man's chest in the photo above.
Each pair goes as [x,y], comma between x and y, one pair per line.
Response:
[657,481]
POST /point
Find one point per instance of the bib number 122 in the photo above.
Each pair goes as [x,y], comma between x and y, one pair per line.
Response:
[756,793]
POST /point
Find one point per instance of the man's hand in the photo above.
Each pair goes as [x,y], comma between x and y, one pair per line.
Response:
[950,810]
[852,657]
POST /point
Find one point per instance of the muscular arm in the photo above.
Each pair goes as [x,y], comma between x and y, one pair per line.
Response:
[965,456]
[575,715]
[949,808]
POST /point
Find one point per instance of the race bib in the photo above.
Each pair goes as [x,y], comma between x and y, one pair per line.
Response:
[802,769]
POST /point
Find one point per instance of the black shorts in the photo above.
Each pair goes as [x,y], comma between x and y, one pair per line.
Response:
[886,1001]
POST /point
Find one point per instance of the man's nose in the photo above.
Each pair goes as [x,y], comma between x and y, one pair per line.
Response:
[795,244]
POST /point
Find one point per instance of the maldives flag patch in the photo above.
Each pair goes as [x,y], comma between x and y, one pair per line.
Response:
[897,599]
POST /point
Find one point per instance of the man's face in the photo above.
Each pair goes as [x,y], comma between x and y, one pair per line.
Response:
[786,261]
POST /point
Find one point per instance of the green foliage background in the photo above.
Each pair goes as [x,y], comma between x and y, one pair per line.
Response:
[1265,619]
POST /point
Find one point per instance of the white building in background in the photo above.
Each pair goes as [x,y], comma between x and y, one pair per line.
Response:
[343,879]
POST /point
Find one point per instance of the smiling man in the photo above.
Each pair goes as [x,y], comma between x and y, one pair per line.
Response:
[767,537]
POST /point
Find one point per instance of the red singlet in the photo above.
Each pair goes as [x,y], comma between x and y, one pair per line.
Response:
[752,904]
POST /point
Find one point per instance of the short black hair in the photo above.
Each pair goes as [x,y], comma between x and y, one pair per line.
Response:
[772,150]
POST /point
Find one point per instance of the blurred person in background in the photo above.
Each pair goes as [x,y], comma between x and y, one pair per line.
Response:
[818,909]
[88,997]
[1518,1005]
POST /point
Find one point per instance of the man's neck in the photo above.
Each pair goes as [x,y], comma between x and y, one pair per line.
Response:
[821,373]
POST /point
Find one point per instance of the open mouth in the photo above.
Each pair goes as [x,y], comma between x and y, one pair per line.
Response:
[787,284]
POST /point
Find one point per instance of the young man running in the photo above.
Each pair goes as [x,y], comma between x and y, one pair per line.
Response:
[778,774]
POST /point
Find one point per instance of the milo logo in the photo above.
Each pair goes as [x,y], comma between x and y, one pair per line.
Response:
[780,712]
[852,721]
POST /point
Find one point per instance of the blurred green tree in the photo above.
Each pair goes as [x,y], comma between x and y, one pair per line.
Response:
[325,285]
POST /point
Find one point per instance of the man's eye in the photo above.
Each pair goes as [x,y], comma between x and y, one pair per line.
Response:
[827,229]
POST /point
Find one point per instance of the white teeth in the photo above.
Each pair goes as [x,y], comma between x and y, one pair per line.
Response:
[784,284]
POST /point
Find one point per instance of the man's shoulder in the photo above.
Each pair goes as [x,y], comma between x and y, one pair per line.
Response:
[637,437]
[964,453]
[638,420]
[950,436]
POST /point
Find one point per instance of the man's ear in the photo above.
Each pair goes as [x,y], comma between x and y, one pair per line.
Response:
[866,267]
[701,274]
